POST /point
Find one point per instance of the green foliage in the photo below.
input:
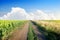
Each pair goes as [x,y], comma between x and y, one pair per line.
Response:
[31,34]
[7,26]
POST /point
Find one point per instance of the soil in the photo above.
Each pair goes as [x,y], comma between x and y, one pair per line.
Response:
[39,34]
[20,34]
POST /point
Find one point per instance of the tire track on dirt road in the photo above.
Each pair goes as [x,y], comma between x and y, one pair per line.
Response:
[39,34]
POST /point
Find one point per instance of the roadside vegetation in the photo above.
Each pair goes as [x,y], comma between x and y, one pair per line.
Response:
[50,28]
[31,34]
[8,26]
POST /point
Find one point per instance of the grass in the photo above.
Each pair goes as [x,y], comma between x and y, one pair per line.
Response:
[31,34]
[8,26]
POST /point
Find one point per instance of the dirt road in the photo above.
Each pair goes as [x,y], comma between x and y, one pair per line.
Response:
[20,34]
[39,35]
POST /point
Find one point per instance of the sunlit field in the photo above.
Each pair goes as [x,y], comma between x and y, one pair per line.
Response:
[50,28]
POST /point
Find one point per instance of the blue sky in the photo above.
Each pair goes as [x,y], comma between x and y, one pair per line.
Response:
[29,5]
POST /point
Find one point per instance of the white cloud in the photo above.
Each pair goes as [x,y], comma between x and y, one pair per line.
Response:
[20,14]
[16,13]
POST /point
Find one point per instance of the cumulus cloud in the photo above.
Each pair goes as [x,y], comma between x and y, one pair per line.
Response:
[21,14]
[16,13]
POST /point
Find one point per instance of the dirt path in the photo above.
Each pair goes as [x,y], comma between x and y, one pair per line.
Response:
[39,35]
[20,34]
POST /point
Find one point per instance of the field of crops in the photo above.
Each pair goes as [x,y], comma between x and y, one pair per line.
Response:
[50,28]
[8,26]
